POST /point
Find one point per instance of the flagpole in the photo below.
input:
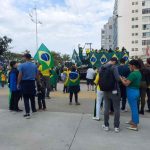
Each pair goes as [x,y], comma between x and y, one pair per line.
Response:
[34,19]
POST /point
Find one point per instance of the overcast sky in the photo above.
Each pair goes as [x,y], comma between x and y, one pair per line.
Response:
[65,23]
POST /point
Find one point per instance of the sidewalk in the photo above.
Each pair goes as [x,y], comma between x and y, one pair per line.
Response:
[65,131]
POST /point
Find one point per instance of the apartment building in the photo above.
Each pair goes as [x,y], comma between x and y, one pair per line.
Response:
[107,35]
[131,26]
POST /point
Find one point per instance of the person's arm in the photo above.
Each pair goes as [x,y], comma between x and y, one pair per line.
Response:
[19,78]
[125,81]
[116,73]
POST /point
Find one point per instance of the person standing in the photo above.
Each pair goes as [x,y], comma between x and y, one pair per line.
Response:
[90,78]
[12,84]
[124,71]
[143,86]
[46,77]
[109,78]
[74,85]
[133,92]
[26,80]
[99,98]
[41,86]
[148,84]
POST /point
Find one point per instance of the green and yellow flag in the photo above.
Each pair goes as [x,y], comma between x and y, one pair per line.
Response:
[44,57]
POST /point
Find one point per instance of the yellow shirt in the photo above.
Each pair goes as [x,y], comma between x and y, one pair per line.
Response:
[3,77]
[45,72]
[97,82]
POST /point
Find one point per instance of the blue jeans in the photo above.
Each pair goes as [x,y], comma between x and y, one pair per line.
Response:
[133,98]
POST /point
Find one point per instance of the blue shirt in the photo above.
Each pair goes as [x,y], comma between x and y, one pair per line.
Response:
[124,70]
[29,70]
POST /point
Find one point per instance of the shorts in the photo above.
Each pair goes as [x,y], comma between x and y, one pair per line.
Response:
[90,82]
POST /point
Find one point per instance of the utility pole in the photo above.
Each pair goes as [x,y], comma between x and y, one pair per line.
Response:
[90,44]
[34,18]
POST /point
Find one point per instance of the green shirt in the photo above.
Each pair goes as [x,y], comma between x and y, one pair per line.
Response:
[135,78]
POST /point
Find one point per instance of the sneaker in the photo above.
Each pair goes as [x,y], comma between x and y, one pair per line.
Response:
[132,128]
[95,118]
[77,103]
[117,130]
[27,116]
[105,128]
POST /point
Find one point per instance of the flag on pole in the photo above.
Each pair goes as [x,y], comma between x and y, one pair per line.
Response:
[44,57]
[76,58]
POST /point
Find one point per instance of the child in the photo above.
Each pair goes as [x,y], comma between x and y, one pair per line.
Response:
[3,79]
[41,88]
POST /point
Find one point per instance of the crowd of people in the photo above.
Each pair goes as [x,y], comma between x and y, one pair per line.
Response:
[115,82]
[122,82]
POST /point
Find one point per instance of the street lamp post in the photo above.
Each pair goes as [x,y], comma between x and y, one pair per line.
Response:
[34,19]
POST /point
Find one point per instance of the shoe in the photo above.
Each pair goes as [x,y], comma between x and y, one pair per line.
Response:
[124,110]
[77,103]
[132,128]
[117,130]
[129,122]
[34,111]
[27,116]
[48,97]
[105,128]
[141,112]
[148,111]
[95,118]
[19,110]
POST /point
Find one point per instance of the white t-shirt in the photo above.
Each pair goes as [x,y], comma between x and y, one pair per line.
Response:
[90,73]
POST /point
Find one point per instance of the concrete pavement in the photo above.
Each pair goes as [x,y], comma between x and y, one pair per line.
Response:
[70,128]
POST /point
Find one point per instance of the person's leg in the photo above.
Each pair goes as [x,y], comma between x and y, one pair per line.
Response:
[143,97]
[26,103]
[11,105]
[88,87]
[100,96]
[116,106]
[133,96]
[32,99]
[107,108]
[47,81]
[124,97]
[148,100]
[71,96]
[111,106]
[16,100]
[39,101]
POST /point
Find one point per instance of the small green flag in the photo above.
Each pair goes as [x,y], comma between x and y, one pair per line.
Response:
[44,57]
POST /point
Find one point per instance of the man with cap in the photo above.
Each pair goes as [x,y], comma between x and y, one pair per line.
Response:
[26,80]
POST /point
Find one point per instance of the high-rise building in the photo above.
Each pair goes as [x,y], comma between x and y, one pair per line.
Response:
[107,35]
[131,26]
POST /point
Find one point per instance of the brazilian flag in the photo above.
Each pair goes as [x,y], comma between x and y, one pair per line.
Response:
[44,57]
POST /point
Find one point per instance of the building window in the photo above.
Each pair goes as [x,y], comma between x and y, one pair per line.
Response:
[136,26]
[132,3]
[136,41]
[132,34]
[146,11]
[132,19]
[146,18]
[132,49]
[146,3]
[145,42]
[132,42]
[136,18]
[136,11]
[146,34]
[146,27]
[136,49]
[136,34]
[132,11]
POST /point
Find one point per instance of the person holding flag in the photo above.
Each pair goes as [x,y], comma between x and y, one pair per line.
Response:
[44,57]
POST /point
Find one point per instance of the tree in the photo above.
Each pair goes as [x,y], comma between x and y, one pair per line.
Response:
[4,44]
[66,57]
[57,57]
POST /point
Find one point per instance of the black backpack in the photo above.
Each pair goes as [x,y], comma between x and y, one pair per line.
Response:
[107,80]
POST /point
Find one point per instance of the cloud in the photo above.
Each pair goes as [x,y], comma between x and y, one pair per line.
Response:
[64,25]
